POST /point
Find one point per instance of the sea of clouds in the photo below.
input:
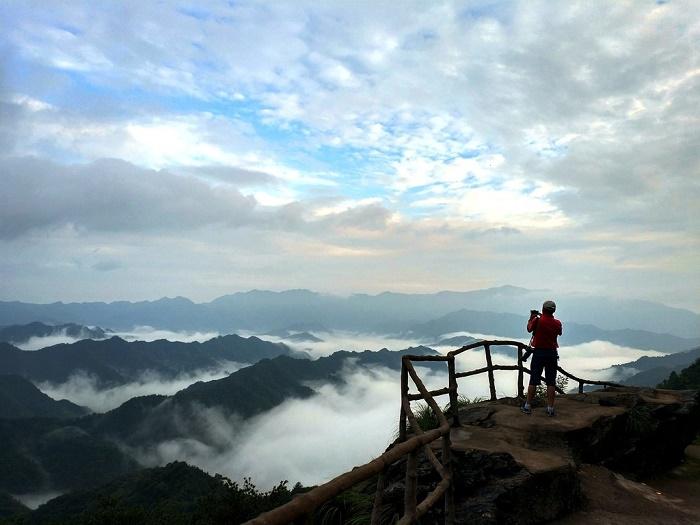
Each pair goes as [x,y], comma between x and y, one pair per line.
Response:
[343,425]
[83,389]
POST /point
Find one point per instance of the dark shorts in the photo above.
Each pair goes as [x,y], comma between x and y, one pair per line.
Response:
[546,360]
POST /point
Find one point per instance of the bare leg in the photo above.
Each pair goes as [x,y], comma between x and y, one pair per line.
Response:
[530,393]
[550,395]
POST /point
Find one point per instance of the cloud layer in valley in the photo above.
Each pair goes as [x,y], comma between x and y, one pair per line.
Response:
[84,389]
[300,440]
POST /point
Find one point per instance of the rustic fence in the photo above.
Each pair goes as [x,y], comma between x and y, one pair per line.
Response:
[409,444]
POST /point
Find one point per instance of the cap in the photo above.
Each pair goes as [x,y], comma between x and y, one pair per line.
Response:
[549,305]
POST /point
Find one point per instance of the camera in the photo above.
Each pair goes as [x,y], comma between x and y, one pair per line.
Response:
[534,313]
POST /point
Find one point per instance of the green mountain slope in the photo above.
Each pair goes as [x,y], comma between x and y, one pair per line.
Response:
[47,454]
[652,370]
[115,361]
[175,494]
[17,334]
[687,379]
[19,398]
[247,392]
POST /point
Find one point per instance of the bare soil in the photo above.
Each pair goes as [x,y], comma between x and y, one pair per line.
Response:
[672,499]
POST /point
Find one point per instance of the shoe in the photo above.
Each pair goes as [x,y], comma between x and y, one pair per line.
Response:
[551,412]
[525,410]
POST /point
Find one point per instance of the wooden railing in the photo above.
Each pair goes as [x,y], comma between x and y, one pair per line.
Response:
[409,443]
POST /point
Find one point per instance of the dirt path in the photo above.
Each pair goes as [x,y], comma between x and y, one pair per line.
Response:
[672,499]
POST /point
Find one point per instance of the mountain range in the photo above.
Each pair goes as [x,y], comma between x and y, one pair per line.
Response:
[177,493]
[264,311]
[513,326]
[18,334]
[19,398]
[650,371]
[115,361]
[41,454]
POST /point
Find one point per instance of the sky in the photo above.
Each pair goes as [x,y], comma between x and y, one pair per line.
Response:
[167,148]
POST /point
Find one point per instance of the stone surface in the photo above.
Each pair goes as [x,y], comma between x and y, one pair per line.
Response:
[522,469]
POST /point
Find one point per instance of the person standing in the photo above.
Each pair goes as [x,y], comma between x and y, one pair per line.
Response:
[545,329]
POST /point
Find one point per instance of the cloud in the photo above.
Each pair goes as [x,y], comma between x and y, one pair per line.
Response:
[106,265]
[299,440]
[314,431]
[458,119]
[341,340]
[83,389]
[111,195]
[148,333]
[230,175]
[115,196]
[36,499]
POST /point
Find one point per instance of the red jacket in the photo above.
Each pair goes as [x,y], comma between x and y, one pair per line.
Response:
[546,329]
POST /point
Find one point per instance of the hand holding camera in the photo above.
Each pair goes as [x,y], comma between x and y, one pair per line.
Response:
[534,313]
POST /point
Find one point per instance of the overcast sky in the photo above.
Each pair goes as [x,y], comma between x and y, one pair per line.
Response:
[201,148]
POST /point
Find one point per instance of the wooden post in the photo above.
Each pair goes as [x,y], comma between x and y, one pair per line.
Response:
[521,383]
[489,363]
[378,497]
[580,387]
[410,495]
[404,394]
[450,492]
[454,399]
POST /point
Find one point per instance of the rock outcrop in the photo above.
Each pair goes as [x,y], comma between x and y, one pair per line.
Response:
[522,469]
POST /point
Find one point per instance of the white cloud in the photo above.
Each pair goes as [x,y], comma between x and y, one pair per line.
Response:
[484,117]
[83,389]
[148,333]
[299,440]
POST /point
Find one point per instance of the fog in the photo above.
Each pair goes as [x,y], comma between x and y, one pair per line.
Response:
[36,499]
[83,389]
[148,333]
[138,333]
[341,340]
[36,343]
[315,439]
[310,440]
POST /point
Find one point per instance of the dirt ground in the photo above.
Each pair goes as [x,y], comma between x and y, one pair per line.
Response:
[672,499]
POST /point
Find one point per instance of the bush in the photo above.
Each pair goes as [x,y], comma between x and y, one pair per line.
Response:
[541,390]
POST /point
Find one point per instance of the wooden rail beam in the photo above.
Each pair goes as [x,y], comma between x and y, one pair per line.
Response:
[492,380]
[427,357]
[454,399]
[428,451]
[378,498]
[404,395]
[426,395]
[411,487]
[434,393]
[521,381]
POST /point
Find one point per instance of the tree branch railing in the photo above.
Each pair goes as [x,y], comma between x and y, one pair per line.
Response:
[407,445]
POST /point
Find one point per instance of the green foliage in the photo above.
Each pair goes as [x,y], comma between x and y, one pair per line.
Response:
[425,416]
[19,398]
[640,420]
[427,420]
[10,506]
[541,390]
[689,378]
[176,494]
[352,507]
[240,503]
[463,401]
